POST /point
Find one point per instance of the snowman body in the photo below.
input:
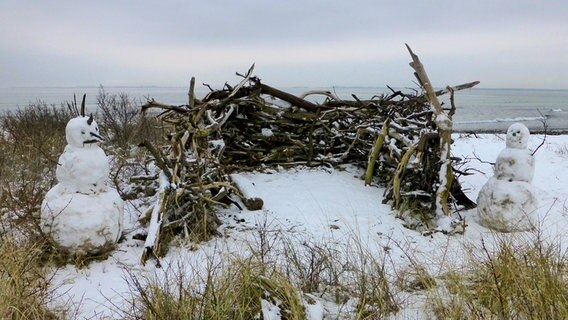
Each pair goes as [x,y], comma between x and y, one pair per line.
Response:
[507,202]
[507,206]
[81,213]
[514,165]
[84,170]
[85,224]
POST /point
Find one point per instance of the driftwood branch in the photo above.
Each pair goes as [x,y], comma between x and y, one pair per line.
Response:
[292,99]
[464,86]
[160,159]
[153,104]
[326,93]
[425,81]
[152,242]
[375,151]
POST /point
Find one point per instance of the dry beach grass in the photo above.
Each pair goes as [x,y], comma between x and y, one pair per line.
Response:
[522,277]
[514,277]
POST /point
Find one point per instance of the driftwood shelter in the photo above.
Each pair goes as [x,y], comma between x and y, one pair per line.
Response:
[403,140]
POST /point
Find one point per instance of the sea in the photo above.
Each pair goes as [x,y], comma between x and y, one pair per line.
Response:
[477,109]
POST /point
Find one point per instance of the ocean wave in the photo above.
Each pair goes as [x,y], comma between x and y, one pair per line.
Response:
[503,120]
[557,113]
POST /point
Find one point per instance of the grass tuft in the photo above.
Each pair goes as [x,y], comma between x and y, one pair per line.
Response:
[562,151]
[231,290]
[24,281]
[525,279]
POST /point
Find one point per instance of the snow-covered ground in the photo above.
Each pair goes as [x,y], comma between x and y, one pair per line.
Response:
[331,204]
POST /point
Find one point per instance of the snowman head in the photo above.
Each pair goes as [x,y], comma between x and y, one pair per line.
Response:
[82,131]
[518,136]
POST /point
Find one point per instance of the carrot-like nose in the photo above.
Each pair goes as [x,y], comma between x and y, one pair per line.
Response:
[94,135]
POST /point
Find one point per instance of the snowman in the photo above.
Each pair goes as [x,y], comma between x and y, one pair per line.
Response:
[507,202]
[82,214]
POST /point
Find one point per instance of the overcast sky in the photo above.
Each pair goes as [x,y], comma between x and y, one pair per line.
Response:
[518,44]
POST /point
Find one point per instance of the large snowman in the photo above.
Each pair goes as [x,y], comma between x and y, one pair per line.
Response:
[507,202]
[82,214]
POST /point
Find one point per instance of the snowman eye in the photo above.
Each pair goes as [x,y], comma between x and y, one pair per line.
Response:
[82,131]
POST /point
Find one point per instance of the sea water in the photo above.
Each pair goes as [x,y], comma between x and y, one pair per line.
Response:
[477,109]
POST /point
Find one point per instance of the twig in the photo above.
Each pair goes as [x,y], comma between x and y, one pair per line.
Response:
[161,162]
[246,78]
[208,86]
[545,127]
[476,157]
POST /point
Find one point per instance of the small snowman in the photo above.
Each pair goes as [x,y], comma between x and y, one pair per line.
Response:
[507,202]
[82,214]
[515,162]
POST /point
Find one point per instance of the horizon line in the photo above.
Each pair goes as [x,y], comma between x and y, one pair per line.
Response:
[288,86]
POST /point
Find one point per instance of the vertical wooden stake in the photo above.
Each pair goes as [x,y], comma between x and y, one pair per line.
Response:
[191,94]
[444,124]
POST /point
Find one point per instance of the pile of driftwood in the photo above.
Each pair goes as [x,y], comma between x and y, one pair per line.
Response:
[403,140]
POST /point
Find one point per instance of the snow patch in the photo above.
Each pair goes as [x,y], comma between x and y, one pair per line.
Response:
[266,132]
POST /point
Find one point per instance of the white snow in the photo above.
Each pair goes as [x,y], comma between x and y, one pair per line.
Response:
[156,218]
[332,205]
[217,144]
[245,185]
[443,184]
[266,132]
[270,311]
[443,121]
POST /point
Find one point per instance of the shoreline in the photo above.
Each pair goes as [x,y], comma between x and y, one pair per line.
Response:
[555,125]
[556,132]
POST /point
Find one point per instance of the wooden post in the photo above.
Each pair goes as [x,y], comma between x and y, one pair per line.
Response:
[444,124]
[191,94]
